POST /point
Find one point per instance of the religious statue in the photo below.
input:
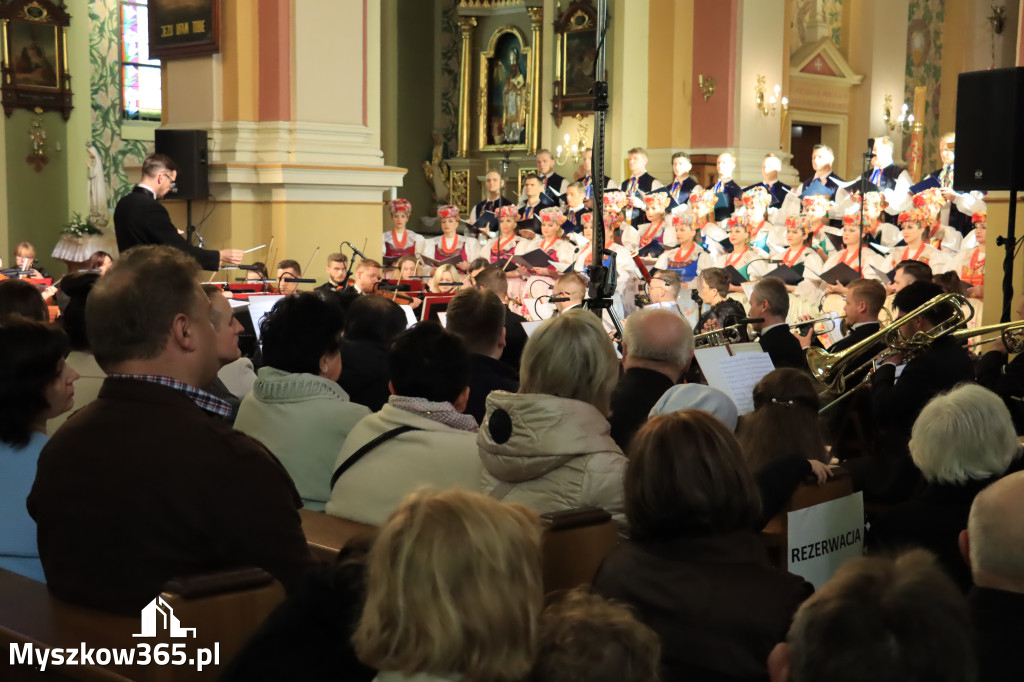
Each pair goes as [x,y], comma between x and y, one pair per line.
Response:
[513,98]
[435,169]
[98,209]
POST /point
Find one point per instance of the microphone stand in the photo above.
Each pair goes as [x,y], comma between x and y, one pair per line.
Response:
[865,167]
[602,279]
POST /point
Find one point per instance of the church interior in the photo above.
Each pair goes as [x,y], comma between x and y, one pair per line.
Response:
[318,113]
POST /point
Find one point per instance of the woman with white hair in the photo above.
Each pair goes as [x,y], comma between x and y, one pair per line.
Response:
[962,441]
[549,446]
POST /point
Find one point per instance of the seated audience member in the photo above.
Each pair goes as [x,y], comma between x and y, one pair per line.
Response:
[22,298]
[36,384]
[549,446]
[769,300]
[100,261]
[429,441]
[782,438]
[888,472]
[992,544]
[173,491]
[478,318]
[228,328]
[961,442]
[288,270]
[657,348]
[698,397]
[585,637]
[494,279]
[296,407]
[694,568]
[453,591]
[90,377]
[879,619]
[371,324]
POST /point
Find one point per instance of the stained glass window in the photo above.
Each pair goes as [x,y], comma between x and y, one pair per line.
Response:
[140,75]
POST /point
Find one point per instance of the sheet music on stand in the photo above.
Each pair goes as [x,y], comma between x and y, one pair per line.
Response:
[736,375]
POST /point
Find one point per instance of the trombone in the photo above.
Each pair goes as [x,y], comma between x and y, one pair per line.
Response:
[837,371]
[1010,333]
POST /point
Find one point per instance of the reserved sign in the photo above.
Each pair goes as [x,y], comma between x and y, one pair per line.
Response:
[823,537]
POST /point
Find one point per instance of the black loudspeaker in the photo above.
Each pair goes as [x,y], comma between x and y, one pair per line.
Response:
[187,148]
[989,130]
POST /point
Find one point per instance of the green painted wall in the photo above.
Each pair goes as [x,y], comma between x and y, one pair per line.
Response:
[415,99]
[37,203]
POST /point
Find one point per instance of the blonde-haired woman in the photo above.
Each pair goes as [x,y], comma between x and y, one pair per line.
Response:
[445,279]
[549,446]
[453,591]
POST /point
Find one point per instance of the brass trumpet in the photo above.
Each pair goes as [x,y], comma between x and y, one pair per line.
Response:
[720,337]
[804,326]
[837,370]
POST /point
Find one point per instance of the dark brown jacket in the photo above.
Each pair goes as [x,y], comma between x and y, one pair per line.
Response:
[716,603]
[142,486]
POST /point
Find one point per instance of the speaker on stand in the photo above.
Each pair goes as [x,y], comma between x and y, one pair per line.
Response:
[188,149]
[990,147]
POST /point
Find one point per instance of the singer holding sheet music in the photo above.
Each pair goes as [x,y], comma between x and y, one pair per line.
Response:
[449,245]
[139,218]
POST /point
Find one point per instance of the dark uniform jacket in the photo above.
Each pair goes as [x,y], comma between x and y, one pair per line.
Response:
[141,219]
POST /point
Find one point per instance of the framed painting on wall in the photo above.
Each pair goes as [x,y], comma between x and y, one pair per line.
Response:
[575,61]
[34,48]
[183,28]
[504,119]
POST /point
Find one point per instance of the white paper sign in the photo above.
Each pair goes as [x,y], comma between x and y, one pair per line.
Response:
[823,537]
[259,306]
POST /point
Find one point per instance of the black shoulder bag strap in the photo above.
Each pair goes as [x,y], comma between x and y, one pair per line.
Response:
[358,454]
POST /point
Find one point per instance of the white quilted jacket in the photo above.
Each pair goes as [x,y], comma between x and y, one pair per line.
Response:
[555,454]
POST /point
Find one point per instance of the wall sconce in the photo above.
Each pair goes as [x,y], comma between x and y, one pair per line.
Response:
[767,105]
[37,140]
[707,85]
[573,151]
[905,121]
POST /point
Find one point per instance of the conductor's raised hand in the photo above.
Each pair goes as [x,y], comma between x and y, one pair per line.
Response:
[231,256]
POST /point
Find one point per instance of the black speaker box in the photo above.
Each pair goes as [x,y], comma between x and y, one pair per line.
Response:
[989,130]
[188,150]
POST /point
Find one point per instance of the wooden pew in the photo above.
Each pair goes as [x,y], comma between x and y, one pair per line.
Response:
[326,534]
[224,609]
[575,542]
[807,494]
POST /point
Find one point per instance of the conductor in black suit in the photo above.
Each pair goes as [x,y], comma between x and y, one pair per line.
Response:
[770,301]
[139,218]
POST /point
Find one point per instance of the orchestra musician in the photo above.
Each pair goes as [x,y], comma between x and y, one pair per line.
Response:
[722,312]
[663,291]
[864,301]
[288,270]
[25,261]
[400,241]
[571,286]
[770,301]
[444,279]
[337,268]
[888,473]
